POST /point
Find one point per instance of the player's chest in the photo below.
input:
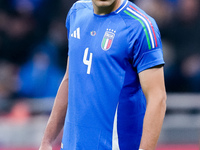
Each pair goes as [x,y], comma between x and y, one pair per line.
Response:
[101,36]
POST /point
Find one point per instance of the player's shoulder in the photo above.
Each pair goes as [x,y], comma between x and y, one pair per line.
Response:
[132,14]
[82,4]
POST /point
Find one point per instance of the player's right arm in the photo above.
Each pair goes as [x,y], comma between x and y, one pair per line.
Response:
[57,117]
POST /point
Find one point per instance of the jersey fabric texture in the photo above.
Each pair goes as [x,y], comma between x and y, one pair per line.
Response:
[106,105]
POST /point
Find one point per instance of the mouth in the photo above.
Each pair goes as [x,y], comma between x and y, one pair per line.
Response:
[103,0]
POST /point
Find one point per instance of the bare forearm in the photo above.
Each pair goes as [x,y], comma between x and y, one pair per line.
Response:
[54,126]
[153,121]
[57,117]
[152,82]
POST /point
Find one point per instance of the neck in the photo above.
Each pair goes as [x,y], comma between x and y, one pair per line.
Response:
[103,10]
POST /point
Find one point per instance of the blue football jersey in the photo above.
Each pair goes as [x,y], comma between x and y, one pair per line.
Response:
[106,104]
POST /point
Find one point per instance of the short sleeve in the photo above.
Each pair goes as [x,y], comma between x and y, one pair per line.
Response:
[147,47]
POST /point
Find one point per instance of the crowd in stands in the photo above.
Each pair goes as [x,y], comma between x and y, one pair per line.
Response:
[33,46]
[33,49]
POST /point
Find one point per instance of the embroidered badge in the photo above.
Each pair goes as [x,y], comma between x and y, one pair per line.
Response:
[107,39]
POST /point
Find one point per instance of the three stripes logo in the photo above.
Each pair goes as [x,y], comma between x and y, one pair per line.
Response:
[107,39]
[76,33]
[146,23]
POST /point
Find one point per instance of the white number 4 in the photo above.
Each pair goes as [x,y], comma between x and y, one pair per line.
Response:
[87,62]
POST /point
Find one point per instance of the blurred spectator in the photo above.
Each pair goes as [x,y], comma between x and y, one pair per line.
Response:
[40,77]
[8,85]
[26,6]
[17,36]
[184,34]
[42,70]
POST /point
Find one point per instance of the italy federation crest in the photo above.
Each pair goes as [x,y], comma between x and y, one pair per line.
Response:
[107,39]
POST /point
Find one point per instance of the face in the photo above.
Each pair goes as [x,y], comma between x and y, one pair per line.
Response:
[105,6]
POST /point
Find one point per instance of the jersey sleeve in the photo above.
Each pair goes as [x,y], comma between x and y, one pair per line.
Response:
[147,48]
[72,12]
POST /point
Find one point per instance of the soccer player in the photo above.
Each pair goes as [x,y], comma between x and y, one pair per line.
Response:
[112,96]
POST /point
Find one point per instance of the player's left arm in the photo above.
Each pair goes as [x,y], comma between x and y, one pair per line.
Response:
[152,82]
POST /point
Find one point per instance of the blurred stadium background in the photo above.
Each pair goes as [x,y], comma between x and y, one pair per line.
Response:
[33,53]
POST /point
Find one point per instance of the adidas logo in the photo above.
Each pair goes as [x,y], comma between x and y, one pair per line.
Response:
[76,33]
